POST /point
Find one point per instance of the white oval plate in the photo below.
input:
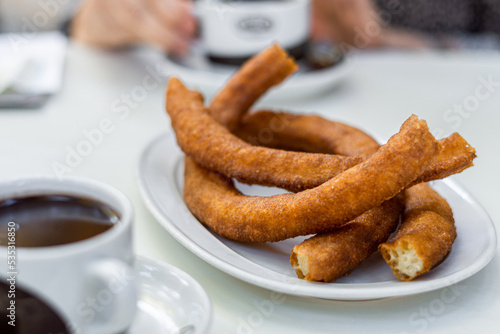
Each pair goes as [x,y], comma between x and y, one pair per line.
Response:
[208,77]
[267,265]
[170,301]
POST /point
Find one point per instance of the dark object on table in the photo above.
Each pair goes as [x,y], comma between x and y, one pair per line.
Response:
[22,101]
[321,55]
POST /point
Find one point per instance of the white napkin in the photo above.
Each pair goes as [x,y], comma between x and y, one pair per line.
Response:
[32,63]
[9,70]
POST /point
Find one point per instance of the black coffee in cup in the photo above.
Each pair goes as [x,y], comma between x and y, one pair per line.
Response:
[41,221]
[28,314]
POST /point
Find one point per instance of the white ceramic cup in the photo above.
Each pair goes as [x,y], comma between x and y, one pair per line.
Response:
[89,283]
[233,29]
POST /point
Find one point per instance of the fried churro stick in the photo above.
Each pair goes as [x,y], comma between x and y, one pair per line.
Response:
[215,202]
[215,148]
[455,155]
[250,82]
[371,228]
[311,133]
[330,256]
[327,256]
[304,133]
[366,230]
[425,236]
[270,67]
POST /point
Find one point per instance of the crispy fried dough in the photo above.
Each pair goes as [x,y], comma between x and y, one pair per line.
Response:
[455,155]
[425,236]
[328,256]
[213,199]
[304,133]
[250,82]
[215,202]
[214,147]
[311,133]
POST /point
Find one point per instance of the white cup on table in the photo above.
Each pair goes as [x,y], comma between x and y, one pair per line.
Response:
[233,31]
[89,283]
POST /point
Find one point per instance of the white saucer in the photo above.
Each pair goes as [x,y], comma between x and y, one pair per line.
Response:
[170,301]
[208,77]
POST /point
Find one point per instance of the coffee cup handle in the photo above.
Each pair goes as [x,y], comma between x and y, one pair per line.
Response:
[112,289]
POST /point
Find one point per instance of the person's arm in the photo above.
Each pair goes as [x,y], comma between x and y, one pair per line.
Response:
[165,24]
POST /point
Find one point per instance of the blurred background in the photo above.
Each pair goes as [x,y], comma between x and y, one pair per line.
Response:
[199,36]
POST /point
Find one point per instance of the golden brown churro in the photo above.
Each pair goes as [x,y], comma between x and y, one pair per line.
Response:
[350,199]
[330,205]
[251,81]
[425,236]
[327,257]
[311,133]
[214,147]
[304,133]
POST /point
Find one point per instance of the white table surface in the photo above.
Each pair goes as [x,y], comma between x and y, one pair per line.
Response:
[382,90]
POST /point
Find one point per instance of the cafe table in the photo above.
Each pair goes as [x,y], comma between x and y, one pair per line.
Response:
[121,94]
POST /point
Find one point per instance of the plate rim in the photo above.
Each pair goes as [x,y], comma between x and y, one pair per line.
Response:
[341,291]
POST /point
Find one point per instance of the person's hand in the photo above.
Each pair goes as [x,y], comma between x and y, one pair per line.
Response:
[165,24]
[356,23]
[343,21]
